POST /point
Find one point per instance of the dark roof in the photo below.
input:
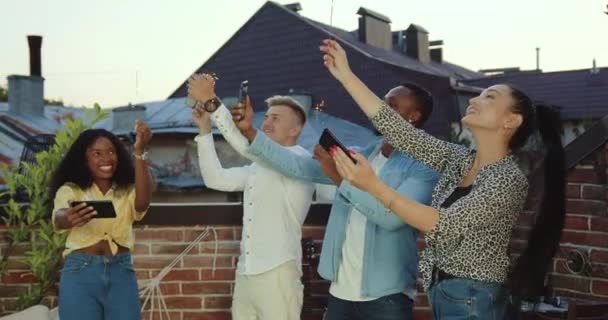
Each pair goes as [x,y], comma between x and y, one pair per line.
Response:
[277,50]
[394,57]
[580,94]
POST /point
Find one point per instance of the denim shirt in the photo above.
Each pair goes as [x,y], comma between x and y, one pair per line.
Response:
[390,259]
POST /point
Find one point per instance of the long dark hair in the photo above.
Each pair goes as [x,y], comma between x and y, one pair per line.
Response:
[527,274]
[73,168]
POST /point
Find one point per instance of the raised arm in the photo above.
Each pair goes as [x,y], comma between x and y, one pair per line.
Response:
[214,175]
[418,144]
[201,87]
[143,178]
[287,162]
[223,121]
[418,186]
[418,215]
[485,206]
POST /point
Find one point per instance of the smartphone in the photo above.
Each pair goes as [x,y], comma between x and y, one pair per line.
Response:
[243,92]
[104,208]
[328,140]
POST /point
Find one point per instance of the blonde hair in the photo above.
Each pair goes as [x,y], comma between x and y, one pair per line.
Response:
[289,102]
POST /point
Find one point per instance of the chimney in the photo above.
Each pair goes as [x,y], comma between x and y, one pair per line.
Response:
[35,43]
[436,51]
[295,7]
[123,118]
[374,29]
[26,93]
[417,43]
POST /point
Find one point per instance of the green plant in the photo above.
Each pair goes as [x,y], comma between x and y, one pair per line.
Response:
[32,224]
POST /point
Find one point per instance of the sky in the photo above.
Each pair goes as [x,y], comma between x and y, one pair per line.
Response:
[114,52]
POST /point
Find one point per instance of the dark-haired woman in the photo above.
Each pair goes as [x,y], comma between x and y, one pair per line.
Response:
[97,280]
[466,267]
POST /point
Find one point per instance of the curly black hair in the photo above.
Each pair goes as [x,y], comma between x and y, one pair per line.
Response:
[73,168]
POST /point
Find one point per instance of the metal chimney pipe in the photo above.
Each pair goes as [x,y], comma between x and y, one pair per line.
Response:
[35,43]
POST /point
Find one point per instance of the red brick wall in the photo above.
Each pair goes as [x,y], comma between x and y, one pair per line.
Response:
[192,292]
[586,231]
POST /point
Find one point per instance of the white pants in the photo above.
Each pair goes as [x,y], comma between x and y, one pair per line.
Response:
[275,294]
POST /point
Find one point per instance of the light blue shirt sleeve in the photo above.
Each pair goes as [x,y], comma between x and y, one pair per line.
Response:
[285,161]
[417,186]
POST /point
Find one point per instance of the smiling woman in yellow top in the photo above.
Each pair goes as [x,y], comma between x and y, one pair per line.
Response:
[98,281]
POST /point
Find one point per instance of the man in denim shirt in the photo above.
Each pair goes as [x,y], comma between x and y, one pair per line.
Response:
[368,253]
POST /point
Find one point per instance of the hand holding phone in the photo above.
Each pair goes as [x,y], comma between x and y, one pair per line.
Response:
[328,140]
[243,92]
[104,208]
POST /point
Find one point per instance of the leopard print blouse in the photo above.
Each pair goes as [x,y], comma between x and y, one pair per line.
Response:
[472,235]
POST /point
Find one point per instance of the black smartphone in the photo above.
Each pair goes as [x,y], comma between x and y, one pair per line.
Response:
[328,140]
[104,208]
[243,92]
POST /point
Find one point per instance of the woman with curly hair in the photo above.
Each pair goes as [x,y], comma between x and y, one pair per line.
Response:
[97,280]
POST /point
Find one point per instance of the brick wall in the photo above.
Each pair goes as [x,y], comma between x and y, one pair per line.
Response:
[586,233]
[192,292]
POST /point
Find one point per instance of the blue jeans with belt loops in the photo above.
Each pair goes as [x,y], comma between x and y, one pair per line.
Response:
[98,288]
[459,298]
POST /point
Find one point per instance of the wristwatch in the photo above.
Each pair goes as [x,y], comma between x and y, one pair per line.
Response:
[212,104]
[143,156]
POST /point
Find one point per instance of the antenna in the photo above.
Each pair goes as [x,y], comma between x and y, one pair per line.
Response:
[136,84]
[594,68]
[331,15]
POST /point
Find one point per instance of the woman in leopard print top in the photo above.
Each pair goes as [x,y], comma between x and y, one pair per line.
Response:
[477,200]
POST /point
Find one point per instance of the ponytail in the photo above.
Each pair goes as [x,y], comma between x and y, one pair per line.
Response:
[526,278]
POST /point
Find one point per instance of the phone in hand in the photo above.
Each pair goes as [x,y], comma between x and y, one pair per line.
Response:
[328,140]
[104,208]
[243,92]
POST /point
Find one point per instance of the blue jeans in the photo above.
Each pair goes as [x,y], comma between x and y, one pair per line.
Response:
[98,288]
[456,299]
[392,307]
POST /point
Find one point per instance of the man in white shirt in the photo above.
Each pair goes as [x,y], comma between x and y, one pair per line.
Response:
[267,284]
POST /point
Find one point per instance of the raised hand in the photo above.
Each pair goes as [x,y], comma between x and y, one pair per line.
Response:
[143,134]
[328,166]
[335,59]
[360,175]
[201,87]
[243,116]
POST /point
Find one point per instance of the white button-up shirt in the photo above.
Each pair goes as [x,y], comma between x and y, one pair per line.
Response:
[274,206]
